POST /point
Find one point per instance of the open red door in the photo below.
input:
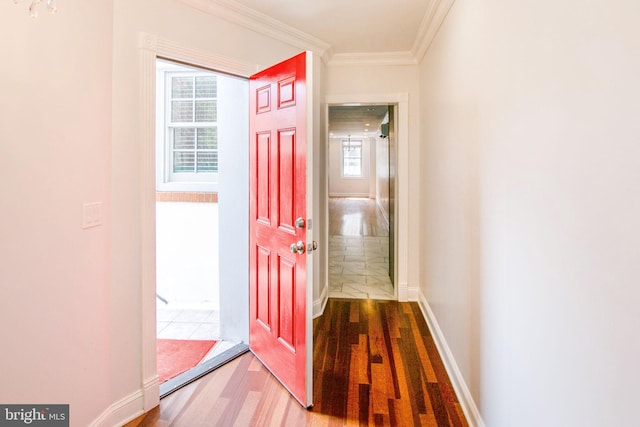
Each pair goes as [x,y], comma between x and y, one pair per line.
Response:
[280,318]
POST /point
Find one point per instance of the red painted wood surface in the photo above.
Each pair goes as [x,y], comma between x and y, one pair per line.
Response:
[278,278]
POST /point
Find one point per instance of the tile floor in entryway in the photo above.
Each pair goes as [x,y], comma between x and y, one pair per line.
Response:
[190,322]
[187,322]
[359,267]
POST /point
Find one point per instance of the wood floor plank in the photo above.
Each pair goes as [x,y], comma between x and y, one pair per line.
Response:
[392,380]
[350,216]
[363,375]
[393,320]
[379,389]
[355,379]
[430,415]
[421,349]
[249,409]
[354,313]
[375,363]
[403,407]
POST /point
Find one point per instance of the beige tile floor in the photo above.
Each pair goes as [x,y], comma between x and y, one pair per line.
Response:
[176,322]
[359,267]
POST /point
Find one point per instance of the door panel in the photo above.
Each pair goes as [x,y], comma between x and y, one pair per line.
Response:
[261,166]
[286,184]
[262,299]
[279,315]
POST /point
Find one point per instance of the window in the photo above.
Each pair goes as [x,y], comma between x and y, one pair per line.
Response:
[192,128]
[351,158]
[199,117]
[187,128]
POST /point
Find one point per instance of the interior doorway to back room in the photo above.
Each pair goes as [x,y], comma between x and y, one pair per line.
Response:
[361,153]
[198,116]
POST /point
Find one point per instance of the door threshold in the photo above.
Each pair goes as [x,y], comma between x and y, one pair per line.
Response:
[169,386]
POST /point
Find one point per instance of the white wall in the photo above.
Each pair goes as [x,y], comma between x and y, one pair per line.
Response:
[530,171]
[341,186]
[55,142]
[187,253]
[387,81]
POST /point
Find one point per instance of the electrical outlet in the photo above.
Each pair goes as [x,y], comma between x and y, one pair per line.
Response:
[91,214]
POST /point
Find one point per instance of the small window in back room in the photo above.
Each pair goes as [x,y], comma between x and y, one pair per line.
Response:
[351,158]
[187,129]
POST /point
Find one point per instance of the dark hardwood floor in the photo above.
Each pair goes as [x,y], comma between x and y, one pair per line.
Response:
[375,363]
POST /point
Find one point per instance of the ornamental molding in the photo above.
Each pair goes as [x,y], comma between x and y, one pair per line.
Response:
[238,14]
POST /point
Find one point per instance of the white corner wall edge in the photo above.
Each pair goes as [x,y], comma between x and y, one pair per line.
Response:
[129,407]
[320,304]
[469,406]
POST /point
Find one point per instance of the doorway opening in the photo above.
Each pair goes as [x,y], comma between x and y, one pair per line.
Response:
[362,170]
[199,115]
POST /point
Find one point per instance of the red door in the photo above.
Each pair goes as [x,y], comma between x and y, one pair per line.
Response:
[280,322]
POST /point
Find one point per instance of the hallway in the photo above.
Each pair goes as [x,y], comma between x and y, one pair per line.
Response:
[358,250]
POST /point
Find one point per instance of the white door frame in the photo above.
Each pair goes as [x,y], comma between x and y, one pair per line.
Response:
[401,100]
[151,47]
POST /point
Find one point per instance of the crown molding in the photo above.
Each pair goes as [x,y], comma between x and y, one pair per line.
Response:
[373,58]
[431,22]
[231,11]
[236,13]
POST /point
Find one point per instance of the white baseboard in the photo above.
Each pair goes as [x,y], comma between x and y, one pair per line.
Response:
[130,407]
[151,388]
[103,420]
[121,412]
[469,406]
[320,304]
[403,293]
[413,293]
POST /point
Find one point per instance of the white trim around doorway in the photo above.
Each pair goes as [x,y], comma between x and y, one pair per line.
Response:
[150,48]
[401,100]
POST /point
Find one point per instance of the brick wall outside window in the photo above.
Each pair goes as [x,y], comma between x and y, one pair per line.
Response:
[186,196]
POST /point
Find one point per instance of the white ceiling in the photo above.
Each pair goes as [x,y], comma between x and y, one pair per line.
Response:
[342,31]
[350,26]
[352,121]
